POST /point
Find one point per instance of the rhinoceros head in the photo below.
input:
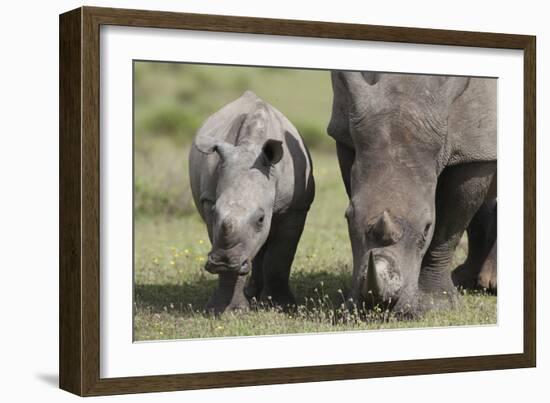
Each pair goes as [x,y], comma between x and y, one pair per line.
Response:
[398,127]
[245,194]
[244,205]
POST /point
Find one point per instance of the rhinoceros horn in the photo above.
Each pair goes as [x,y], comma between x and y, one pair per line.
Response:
[385,230]
[371,277]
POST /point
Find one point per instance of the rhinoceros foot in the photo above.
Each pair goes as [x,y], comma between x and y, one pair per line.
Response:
[465,276]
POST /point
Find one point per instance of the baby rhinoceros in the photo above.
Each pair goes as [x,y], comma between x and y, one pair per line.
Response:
[252,183]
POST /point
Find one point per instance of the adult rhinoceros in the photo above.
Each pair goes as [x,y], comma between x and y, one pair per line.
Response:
[252,183]
[418,159]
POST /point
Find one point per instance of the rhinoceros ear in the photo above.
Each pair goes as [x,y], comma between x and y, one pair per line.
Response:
[355,84]
[216,130]
[361,87]
[272,151]
[371,77]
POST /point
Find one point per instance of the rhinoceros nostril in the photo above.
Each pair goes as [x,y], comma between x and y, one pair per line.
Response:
[218,260]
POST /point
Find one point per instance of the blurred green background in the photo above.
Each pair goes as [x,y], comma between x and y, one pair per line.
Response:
[171,102]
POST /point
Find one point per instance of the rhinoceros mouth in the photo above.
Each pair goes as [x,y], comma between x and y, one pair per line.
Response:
[216,267]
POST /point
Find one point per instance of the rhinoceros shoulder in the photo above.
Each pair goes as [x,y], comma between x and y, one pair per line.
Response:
[295,184]
[472,123]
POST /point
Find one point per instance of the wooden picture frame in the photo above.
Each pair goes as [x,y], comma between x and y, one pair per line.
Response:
[80,187]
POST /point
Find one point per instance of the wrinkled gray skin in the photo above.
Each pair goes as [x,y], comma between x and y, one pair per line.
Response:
[418,159]
[252,183]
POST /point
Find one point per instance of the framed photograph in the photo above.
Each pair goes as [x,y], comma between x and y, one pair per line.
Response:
[249,201]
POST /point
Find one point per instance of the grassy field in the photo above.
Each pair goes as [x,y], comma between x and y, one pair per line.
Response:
[171,286]
[172,100]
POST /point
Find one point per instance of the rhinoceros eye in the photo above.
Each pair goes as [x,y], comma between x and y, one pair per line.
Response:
[426,230]
[207,203]
[422,240]
[260,219]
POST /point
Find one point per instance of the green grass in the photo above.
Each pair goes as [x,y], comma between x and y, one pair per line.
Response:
[173,100]
[176,323]
[171,243]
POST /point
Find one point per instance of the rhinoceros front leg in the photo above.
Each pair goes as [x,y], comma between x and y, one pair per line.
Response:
[460,192]
[279,255]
